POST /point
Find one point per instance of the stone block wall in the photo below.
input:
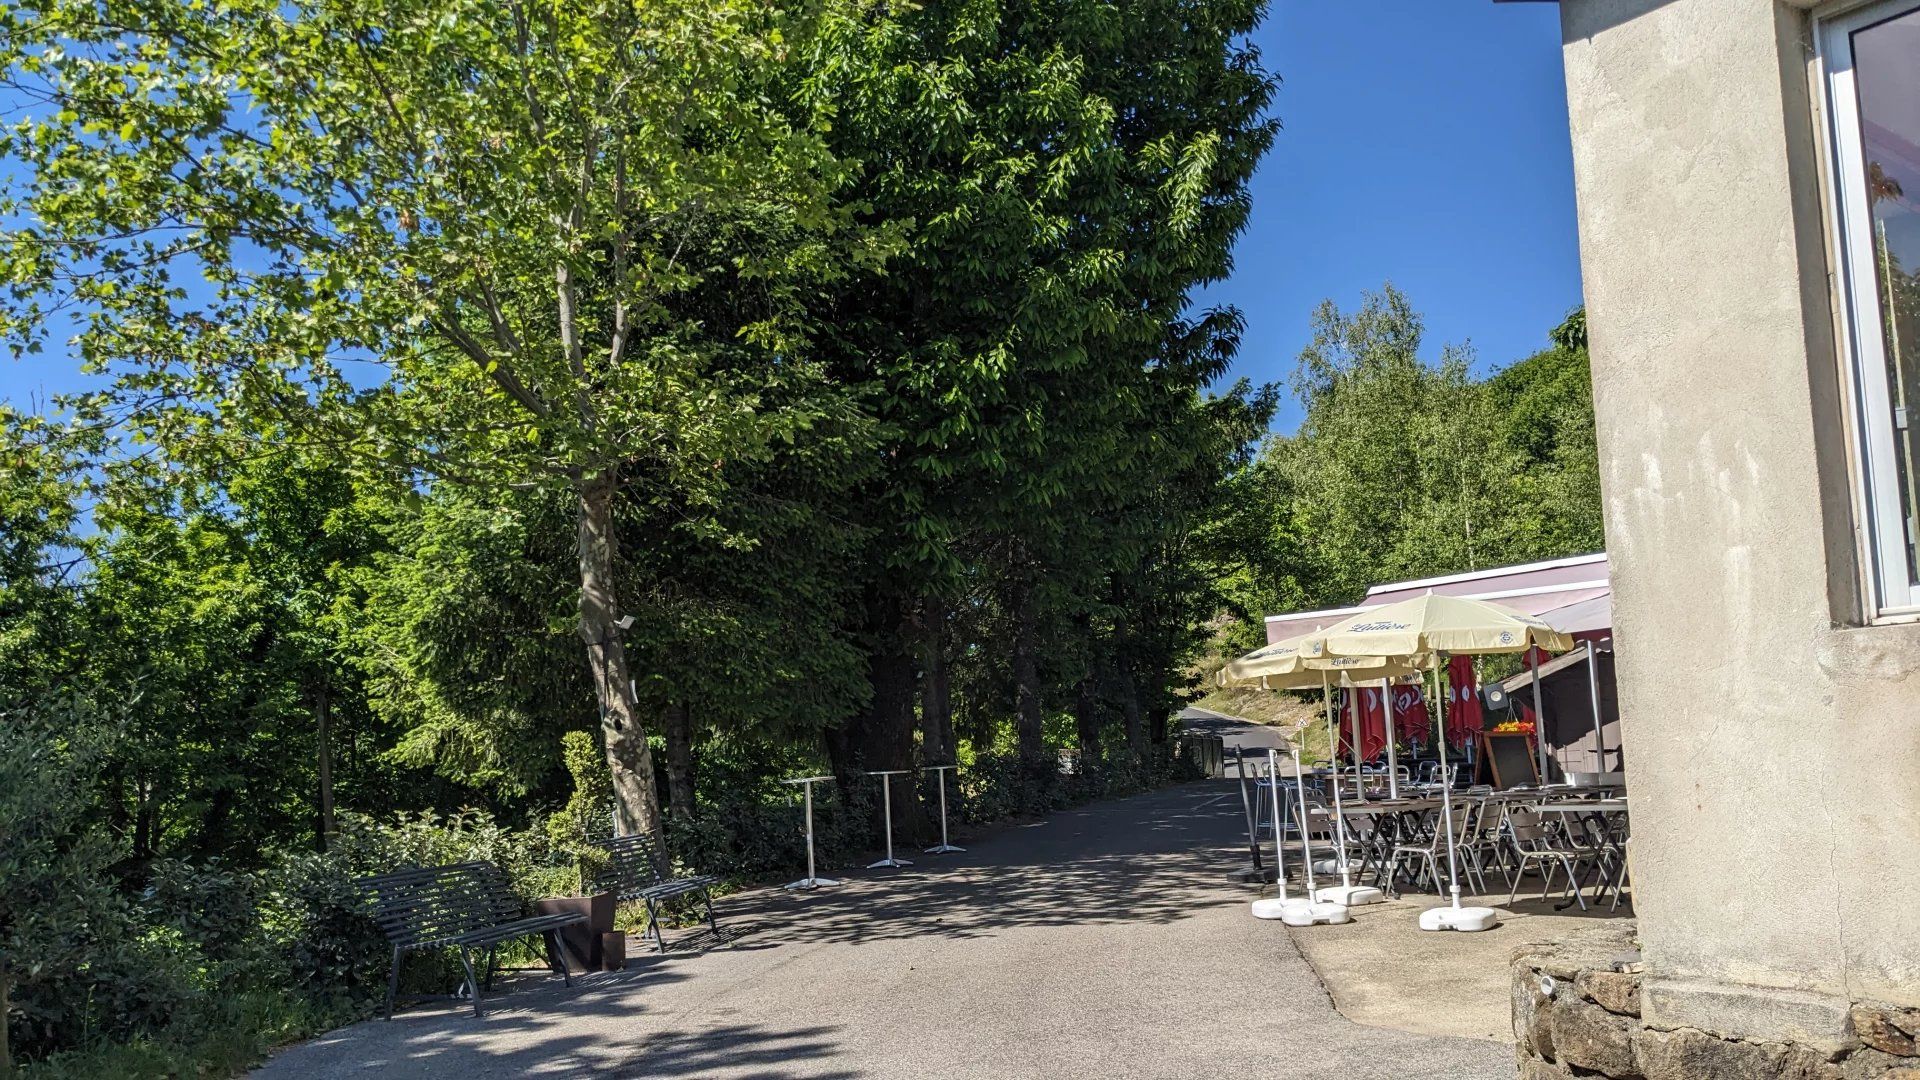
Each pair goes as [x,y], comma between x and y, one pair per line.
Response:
[1575,1016]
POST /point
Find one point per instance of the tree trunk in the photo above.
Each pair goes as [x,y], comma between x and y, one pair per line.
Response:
[636,803]
[936,695]
[887,735]
[1086,721]
[1028,713]
[6,986]
[323,733]
[1130,715]
[679,732]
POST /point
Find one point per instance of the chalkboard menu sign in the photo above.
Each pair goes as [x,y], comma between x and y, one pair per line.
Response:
[1508,755]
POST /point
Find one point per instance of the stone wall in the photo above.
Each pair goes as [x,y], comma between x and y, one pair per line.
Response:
[1575,1015]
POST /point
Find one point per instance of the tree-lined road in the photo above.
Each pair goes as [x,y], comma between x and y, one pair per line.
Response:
[1102,941]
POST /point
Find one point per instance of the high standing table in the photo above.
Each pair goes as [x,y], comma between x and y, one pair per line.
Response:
[941,771]
[886,800]
[810,881]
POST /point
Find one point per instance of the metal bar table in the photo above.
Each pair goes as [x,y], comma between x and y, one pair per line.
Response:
[941,772]
[886,801]
[810,881]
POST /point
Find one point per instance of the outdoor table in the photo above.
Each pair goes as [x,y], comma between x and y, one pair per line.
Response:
[941,771]
[1398,818]
[810,881]
[886,801]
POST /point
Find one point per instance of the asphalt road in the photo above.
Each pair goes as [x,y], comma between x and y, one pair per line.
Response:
[1104,941]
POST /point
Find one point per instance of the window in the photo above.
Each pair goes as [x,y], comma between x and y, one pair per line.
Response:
[1872,63]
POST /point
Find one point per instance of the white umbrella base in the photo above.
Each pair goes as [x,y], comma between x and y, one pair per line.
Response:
[812,883]
[1350,895]
[1463,918]
[1278,907]
[1331,914]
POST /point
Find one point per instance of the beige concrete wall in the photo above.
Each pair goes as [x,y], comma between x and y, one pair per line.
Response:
[1775,755]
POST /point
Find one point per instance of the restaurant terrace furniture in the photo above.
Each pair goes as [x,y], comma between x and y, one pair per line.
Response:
[1533,841]
[465,906]
[940,772]
[1436,844]
[886,803]
[810,881]
[1599,824]
[634,871]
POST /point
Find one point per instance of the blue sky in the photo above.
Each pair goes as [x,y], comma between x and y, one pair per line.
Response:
[1424,142]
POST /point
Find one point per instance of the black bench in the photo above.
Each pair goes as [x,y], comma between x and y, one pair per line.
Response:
[466,906]
[634,872]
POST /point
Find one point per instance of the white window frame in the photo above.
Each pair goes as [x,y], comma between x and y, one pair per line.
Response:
[1892,594]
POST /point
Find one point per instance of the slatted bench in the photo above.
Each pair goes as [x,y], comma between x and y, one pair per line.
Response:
[467,906]
[634,872]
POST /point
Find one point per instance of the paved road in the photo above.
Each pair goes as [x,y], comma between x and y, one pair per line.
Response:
[1103,941]
[1238,734]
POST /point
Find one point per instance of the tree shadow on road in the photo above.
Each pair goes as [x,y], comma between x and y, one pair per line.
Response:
[1095,865]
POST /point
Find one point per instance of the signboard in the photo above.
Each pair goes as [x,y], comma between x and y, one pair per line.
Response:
[1506,759]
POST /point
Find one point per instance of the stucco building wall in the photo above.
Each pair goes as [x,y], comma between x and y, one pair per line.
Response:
[1775,743]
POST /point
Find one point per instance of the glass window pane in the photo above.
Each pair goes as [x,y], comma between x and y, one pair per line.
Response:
[1886,58]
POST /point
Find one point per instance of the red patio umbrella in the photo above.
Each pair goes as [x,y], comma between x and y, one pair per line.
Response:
[1464,715]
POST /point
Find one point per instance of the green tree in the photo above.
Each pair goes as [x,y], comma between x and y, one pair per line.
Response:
[1066,174]
[460,241]
[1404,467]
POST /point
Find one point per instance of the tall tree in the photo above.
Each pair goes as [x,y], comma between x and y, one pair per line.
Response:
[452,240]
[1067,173]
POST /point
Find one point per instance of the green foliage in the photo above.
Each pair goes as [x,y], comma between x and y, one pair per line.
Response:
[79,964]
[1404,468]
[587,817]
[830,347]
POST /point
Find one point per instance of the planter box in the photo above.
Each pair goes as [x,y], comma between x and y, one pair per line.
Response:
[581,941]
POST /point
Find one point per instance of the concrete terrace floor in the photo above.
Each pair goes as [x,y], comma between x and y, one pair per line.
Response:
[1103,941]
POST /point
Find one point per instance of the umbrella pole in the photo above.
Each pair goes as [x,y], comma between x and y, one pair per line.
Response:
[1353,726]
[1539,715]
[1393,760]
[1339,817]
[1593,691]
[1446,797]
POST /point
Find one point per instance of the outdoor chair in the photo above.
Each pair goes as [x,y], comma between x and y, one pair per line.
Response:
[1367,843]
[1486,843]
[634,871]
[1534,842]
[467,906]
[1429,852]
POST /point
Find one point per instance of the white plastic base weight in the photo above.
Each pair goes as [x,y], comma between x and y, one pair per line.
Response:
[1299,911]
[812,882]
[1350,895]
[1459,918]
[1278,907]
[1331,914]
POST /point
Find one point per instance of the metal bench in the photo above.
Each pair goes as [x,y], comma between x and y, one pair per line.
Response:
[466,906]
[634,872]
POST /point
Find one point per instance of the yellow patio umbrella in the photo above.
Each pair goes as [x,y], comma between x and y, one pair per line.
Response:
[1295,664]
[1275,658]
[1420,631]
[1434,624]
